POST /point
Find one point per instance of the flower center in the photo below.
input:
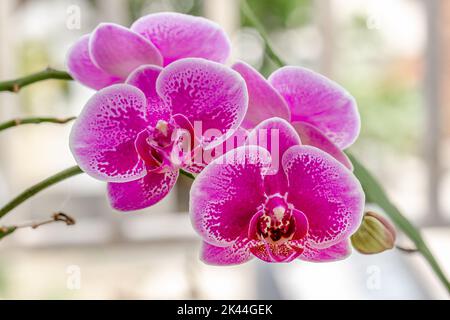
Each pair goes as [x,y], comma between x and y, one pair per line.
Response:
[276,224]
[164,146]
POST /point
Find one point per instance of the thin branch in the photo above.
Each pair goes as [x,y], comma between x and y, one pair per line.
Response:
[28,193]
[16,84]
[406,250]
[56,217]
[34,120]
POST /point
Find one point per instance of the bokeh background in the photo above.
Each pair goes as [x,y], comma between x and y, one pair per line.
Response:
[392,55]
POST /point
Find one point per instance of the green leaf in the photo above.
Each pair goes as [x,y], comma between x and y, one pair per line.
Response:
[375,194]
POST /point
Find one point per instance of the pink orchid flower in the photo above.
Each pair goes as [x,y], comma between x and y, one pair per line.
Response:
[323,113]
[306,209]
[111,52]
[133,135]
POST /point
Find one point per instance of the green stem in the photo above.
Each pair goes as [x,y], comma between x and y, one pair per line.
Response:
[253,19]
[373,190]
[20,121]
[28,193]
[6,231]
[16,84]
[187,174]
[60,176]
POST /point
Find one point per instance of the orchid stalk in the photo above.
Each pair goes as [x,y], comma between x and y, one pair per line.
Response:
[44,184]
[16,85]
[33,120]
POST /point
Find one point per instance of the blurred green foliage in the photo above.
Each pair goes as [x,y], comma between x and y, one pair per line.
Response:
[138,8]
[281,14]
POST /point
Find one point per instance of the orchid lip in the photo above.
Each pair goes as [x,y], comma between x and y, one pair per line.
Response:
[159,146]
[275,222]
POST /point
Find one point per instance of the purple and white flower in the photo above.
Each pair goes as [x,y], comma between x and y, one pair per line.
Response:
[134,135]
[111,52]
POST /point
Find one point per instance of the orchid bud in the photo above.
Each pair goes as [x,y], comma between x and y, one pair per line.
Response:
[375,235]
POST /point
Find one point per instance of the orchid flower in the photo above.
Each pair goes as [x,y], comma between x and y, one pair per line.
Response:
[134,135]
[111,52]
[323,113]
[307,208]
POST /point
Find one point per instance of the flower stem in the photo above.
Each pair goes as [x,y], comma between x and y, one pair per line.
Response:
[6,231]
[16,84]
[187,174]
[20,121]
[372,188]
[60,176]
[253,19]
[28,193]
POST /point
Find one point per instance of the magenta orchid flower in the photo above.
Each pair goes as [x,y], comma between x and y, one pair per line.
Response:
[306,209]
[134,135]
[111,52]
[324,114]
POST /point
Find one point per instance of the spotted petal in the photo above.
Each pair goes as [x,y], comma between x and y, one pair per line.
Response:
[276,252]
[264,101]
[237,253]
[141,193]
[319,101]
[144,78]
[326,192]
[339,251]
[82,69]
[180,36]
[205,92]
[103,136]
[203,157]
[277,136]
[227,193]
[312,136]
[119,51]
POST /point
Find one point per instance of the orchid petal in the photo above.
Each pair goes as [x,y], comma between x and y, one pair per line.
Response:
[180,36]
[144,78]
[235,138]
[141,193]
[82,69]
[301,224]
[205,92]
[264,101]
[312,136]
[237,253]
[227,193]
[119,51]
[319,101]
[276,252]
[339,251]
[103,136]
[326,192]
[277,136]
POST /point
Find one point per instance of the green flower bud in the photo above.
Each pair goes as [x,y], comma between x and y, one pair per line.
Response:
[376,234]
